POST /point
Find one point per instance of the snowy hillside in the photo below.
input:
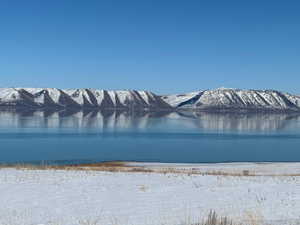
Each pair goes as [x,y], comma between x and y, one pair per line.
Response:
[227,98]
[51,97]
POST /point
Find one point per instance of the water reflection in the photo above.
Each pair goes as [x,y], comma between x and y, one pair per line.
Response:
[118,120]
[81,136]
[244,121]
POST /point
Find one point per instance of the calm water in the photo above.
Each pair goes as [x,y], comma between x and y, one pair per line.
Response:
[68,137]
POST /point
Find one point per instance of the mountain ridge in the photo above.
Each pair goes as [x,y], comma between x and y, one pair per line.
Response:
[80,98]
[216,99]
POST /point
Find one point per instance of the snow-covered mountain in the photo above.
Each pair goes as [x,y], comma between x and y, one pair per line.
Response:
[80,98]
[235,99]
[218,99]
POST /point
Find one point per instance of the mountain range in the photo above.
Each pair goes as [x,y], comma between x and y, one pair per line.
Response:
[208,100]
[80,98]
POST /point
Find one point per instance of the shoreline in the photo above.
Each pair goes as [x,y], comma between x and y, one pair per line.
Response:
[228,169]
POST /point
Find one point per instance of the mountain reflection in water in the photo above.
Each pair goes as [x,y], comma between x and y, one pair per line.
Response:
[186,136]
[143,120]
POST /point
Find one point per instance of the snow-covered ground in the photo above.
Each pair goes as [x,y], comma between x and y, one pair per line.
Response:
[62,197]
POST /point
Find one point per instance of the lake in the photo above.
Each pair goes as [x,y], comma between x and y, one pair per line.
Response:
[191,137]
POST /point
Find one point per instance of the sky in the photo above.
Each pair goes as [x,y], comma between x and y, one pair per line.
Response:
[166,46]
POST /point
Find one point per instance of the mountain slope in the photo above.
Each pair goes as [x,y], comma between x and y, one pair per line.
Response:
[235,99]
[80,98]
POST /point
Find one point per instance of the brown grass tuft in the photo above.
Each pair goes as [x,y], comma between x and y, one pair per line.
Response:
[213,219]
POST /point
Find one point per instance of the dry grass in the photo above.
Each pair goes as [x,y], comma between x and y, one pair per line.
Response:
[118,166]
[213,219]
[143,188]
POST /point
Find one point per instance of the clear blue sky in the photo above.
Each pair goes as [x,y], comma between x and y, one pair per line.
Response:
[164,46]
